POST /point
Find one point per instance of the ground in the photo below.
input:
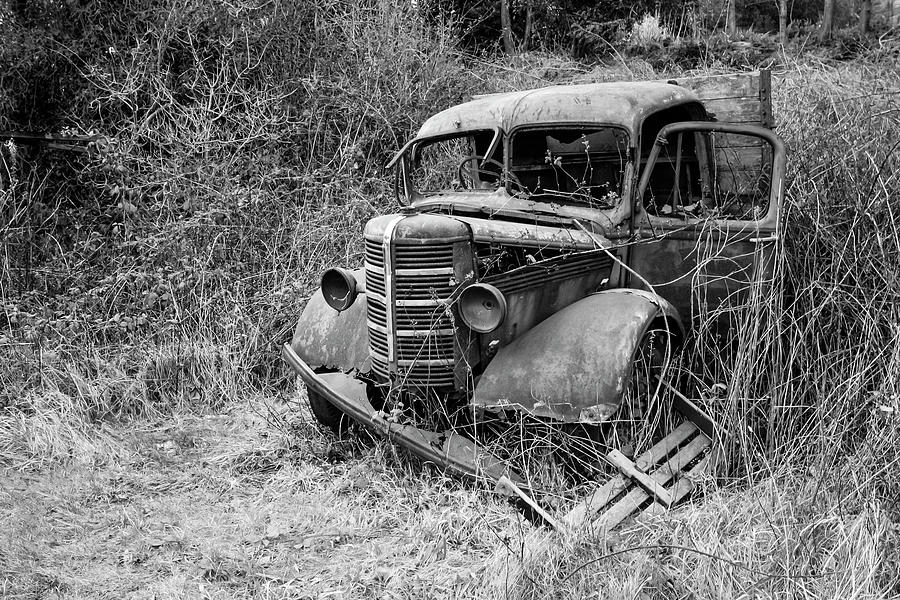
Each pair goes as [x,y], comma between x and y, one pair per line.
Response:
[254,501]
[217,505]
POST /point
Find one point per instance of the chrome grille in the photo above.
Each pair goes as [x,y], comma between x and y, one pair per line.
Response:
[423,332]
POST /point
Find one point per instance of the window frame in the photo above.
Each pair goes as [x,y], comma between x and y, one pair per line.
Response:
[773,211]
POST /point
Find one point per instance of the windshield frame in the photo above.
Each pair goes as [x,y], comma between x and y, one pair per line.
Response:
[402,163]
[406,195]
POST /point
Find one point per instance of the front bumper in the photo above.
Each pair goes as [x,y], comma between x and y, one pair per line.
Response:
[446,449]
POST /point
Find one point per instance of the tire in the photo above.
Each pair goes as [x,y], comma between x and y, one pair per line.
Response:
[327,414]
[642,417]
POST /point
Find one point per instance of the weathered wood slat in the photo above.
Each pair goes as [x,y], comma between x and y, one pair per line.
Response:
[621,462]
[735,98]
[690,410]
[601,497]
[665,446]
[740,157]
[709,87]
[682,487]
[596,502]
[674,465]
[729,140]
[736,110]
[637,496]
[506,482]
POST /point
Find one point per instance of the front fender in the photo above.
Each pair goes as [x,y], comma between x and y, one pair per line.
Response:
[575,365]
[326,338]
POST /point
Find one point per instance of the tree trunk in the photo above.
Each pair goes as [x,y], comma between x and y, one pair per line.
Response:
[865,15]
[731,19]
[529,19]
[782,21]
[827,21]
[509,44]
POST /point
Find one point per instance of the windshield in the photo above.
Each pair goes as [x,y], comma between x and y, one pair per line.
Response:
[457,162]
[583,165]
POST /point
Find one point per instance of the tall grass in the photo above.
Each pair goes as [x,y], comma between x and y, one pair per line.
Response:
[815,360]
[810,397]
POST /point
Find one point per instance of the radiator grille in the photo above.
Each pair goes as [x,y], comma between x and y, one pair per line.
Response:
[423,333]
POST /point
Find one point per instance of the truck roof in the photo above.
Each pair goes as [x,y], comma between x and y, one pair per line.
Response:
[614,103]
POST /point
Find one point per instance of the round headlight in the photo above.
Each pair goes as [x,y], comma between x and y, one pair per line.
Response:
[339,288]
[482,307]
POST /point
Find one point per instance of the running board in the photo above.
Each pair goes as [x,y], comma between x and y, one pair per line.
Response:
[654,482]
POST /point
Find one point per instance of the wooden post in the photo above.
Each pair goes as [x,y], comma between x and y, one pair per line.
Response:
[865,15]
[731,19]
[782,21]
[827,21]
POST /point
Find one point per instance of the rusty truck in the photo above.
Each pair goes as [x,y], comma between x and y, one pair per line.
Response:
[550,248]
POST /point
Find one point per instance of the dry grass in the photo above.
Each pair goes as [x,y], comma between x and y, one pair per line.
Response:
[220,505]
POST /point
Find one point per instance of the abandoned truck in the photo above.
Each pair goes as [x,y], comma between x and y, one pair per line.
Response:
[545,240]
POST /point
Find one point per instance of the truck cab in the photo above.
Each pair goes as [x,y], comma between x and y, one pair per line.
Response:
[545,241]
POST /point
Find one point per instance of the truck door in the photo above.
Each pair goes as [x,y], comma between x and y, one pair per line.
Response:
[706,215]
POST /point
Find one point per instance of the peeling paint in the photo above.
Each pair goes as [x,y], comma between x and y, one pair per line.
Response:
[581,355]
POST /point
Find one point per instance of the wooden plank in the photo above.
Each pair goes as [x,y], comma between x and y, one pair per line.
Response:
[682,487]
[599,499]
[665,446]
[596,501]
[744,157]
[506,482]
[734,85]
[691,411]
[621,462]
[736,110]
[674,465]
[637,496]
[736,97]
[735,140]
[765,99]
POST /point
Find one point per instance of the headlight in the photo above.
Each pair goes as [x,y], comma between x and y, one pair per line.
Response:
[339,288]
[482,307]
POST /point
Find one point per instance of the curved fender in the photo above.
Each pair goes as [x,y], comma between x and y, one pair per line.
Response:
[574,366]
[327,338]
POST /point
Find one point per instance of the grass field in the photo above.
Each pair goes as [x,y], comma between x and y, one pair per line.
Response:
[153,445]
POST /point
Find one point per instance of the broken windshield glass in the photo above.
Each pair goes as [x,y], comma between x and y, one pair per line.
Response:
[582,165]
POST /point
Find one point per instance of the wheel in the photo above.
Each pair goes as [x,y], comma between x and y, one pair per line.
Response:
[327,414]
[641,416]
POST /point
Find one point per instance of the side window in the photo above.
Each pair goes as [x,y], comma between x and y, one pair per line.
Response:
[709,174]
[676,184]
[742,170]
